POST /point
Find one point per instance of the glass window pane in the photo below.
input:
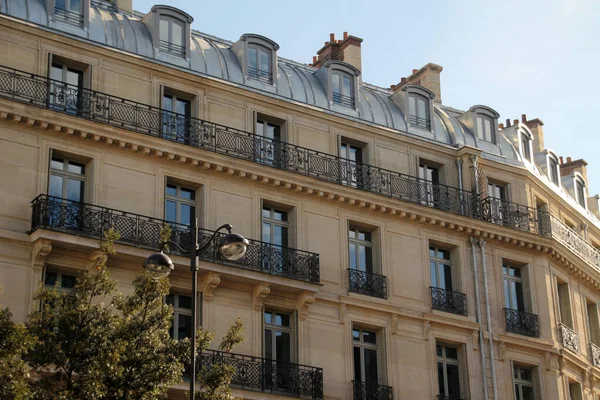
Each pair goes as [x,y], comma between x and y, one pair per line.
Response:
[445,254]
[184,328]
[283,346]
[525,374]
[352,233]
[453,381]
[438,350]
[280,215]
[371,375]
[421,108]
[280,235]
[347,86]
[56,186]
[357,364]
[266,212]
[271,131]
[186,214]
[441,385]
[447,277]
[451,352]
[177,34]
[170,299]
[76,168]
[57,163]
[182,107]
[362,258]
[168,102]
[353,256]
[50,279]
[265,61]
[520,303]
[488,130]
[171,211]
[171,190]
[68,281]
[431,251]
[74,190]
[60,4]
[266,232]
[412,106]
[507,294]
[268,344]
[188,194]
[433,272]
[282,320]
[164,30]
[268,318]
[75,6]
[185,302]
[252,57]
[369,260]
[355,334]
[369,337]
[335,83]
[74,77]
[480,133]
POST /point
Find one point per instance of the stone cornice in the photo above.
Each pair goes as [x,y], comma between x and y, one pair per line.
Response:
[101,135]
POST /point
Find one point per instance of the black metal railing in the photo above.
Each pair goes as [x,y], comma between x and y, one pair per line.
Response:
[169,47]
[448,301]
[260,75]
[270,376]
[521,322]
[423,123]
[518,216]
[371,391]
[68,17]
[367,283]
[343,100]
[444,397]
[92,221]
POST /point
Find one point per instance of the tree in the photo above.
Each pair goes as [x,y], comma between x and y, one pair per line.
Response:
[14,374]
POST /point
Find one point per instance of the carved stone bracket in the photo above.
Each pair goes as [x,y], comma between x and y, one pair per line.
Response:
[501,351]
[426,330]
[342,313]
[208,284]
[472,241]
[96,258]
[305,299]
[395,324]
[260,291]
[41,249]
[475,340]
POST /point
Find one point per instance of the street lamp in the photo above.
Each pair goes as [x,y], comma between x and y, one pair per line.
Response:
[232,247]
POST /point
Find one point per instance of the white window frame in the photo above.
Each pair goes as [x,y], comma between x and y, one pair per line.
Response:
[342,98]
[177,310]
[168,46]
[362,345]
[258,74]
[417,118]
[59,278]
[359,242]
[520,383]
[513,280]
[66,175]
[449,361]
[578,180]
[178,200]
[552,158]
[439,264]
[274,328]
[525,145]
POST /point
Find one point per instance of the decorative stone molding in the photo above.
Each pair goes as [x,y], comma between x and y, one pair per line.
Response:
[395,324]
[96,257]
[552,364]
[426,330]
[475,335]
[472,241]
[501,350]
[41,249]
[208,284]
[305,299]
[260,291]
[342,313]
[481,243]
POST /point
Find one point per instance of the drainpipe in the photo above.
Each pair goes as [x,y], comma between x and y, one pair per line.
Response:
[475,173]
[473,243]
[459,163]
[489,319]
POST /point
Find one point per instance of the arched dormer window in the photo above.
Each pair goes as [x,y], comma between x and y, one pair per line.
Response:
[525,144]
[342,89]
[258,57]
[171,30]
[418,108]
[486,123]
[70,12]
[580,190]
[340,81]
[553,167]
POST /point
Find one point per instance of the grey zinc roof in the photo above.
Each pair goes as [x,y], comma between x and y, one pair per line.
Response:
[212,56]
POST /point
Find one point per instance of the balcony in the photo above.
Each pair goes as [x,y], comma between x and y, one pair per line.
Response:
[268,376]
[371,391]
[56,214]
[513,215]
[367,283]
[444,397]
[570,338]
[521,323]
[448,301]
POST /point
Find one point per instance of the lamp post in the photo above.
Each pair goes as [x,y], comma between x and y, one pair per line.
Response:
[232,247]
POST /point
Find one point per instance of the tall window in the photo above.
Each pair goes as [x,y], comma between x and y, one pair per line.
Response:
[440,268]
[278,346]
[171,36]
[67,179]
[575,392]
[260,64]
[180,204]
[59,281]
[525,147]
[181,327]
[593,322]
[485,128]
[269,148]
[176,118]
[69,11]
[497,191]
[580,192]
[564,304]
[430,179]
[524,387]
[275,225]
[361,249]
[66,88]
[365,350]
[513,288]
[448,366]
[351,171]
[342,89]
[418,111]
[553,170]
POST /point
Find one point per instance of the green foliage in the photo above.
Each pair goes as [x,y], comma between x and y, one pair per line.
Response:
[14,374]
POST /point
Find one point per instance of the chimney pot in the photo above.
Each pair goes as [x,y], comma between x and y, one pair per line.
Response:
[332,37]
[326,43]
[500,126]
[561,160]
[345,35]
[415,71]
[523,118]
[507,122]
[314,59]
[568,159]
[402,80]
[516,122]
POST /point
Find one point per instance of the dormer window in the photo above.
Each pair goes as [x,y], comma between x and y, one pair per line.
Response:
[260,64]
[485,128]
[525,145]
[418,111]
[342,89]
[553,169]
[172,39]
[580,191]
[69,12]
[483,121]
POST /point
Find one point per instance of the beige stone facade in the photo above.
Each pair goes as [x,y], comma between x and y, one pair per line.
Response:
[544,233]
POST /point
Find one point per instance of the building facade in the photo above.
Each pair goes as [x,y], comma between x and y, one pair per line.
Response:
[399,248]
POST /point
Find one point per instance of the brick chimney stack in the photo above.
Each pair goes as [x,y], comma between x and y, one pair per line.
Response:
[569,166]
[535,126]
[428,77]
[347,50]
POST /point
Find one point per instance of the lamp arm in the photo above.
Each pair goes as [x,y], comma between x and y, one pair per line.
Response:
[224,226]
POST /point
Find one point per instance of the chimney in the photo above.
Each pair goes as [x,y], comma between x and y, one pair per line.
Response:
[124,5]
[347,50]
[428,77]
[507,123]
[500,126]
[567,168]
[535,126]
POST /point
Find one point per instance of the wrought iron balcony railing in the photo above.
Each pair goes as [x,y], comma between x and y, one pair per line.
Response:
[595,355]
[517,216]
[444,397]
[371,391]
[260,75]
[448,301]
[269,376]
[68,17]
[366,283]
[574,242]
[521,322]
[423,123]
[89,220]
[570,338]
[343,100]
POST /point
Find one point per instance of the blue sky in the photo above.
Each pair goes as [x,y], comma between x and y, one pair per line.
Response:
[534,57]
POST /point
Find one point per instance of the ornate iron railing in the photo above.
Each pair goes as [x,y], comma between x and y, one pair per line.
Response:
[572,241]
[423,123]
[570,338]
[444,397]
[371,391]
[595,354]
[343,100]
[513,215]
[521,322]
[367,283]
[260,75]
[89,220]
[448,301]
[270,376]
[172,48]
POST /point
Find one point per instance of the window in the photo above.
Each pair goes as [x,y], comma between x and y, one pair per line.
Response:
[268,149]
[171,37]
[180,204]
[440,268]
[366,362]
[485,128]
[181,327]
[351,171]
[580,192]
[66,88]
[418,111]
[176,117]
[553,169]
[278,346]
[59,281]
[260,64]
[429,184]
[69,11]
[361,249]
[525,147]
[524,386]
[513,288]
[564,304]
[67,179]
[275,225]
[575,391]
[342,89]
[497,203]
[593,322]
[448,367]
